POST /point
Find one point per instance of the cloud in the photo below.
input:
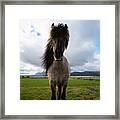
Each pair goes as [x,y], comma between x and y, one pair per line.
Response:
[84,45]
[81,54]
[83,49]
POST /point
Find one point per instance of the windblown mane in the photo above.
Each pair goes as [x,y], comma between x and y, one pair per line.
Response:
[48,58]
[56,32]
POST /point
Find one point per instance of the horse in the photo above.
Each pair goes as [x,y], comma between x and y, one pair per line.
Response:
[55,63]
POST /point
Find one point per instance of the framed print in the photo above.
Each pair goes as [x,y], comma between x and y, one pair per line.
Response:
[60,59]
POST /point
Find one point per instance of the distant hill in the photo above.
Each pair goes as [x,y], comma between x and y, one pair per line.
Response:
[40,74]
[86,73]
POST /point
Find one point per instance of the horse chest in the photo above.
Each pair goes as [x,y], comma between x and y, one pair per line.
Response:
[58,67]
[59,70]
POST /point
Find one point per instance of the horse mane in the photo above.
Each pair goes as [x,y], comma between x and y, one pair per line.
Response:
[48,57]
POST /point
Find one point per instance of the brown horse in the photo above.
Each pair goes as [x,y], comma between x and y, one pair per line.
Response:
[55,63]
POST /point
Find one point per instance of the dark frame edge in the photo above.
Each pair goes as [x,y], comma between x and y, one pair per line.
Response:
[3,116]
[61,2]
[60,117]
[117,8]
[2,60]
[0,67]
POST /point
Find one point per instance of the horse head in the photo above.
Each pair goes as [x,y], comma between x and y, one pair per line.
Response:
[59,36]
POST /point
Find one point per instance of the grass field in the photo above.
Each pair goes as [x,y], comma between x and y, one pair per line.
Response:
[38,89]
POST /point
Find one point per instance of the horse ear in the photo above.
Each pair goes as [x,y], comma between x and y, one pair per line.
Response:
[66,26]
[52,25]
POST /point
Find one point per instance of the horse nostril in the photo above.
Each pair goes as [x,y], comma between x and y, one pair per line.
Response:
[57,54]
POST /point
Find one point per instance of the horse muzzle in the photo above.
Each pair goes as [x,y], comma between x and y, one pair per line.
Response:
[57,59]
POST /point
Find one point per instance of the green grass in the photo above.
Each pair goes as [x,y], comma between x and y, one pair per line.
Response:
[38,89]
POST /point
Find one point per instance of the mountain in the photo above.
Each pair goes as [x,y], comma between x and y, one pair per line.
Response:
[40,74]
[86,73]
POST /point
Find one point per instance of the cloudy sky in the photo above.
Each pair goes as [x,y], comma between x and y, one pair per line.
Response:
[83,52]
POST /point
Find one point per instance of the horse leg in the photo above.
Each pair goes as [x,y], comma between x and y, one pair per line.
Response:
[63,96]
[53,89]
[59,91]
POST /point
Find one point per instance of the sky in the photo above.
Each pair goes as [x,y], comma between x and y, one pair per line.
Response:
[83,52]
